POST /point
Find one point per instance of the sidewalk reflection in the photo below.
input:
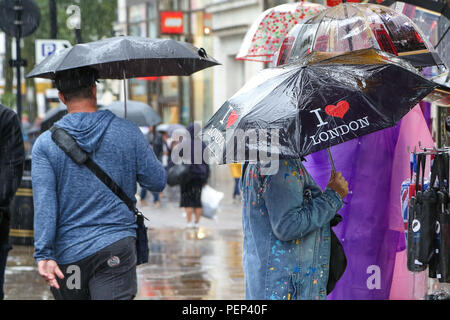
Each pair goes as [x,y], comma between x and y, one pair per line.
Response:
[184,264]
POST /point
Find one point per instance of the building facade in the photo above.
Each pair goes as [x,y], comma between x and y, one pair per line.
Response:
[177,99]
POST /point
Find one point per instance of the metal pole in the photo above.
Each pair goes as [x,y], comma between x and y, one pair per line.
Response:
[191,80]
[18,22]
[442,37]
[53,19]
[78,36]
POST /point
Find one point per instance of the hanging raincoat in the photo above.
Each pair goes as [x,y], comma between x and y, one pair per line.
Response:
[286,221]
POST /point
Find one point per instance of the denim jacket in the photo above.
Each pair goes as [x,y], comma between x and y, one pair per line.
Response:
[286,222]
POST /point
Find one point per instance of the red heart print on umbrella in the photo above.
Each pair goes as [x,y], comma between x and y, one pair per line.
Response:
[232,118]
[338,110]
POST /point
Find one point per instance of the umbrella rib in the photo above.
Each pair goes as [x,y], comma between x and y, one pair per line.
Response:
[267,92]
[313,43]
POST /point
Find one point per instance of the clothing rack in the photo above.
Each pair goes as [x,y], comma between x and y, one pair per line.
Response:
[436,289]
[428,151]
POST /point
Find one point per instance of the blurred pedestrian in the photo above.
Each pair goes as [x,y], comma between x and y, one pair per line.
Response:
[236,169]
[191,188]
[155,140]
[12,157]
[286,222]
[82,230]
[165,149]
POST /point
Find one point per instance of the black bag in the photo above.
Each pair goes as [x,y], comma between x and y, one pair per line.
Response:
[338,260]
[414,227]
[68,144]
[177,174]
[443,270]
[427,216]
[433,265]
[443,225]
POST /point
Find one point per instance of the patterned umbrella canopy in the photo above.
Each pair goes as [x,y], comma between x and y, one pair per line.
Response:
[267,32]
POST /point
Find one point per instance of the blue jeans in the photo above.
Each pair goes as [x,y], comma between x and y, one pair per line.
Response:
[144,194]
[4,249]
[236,187]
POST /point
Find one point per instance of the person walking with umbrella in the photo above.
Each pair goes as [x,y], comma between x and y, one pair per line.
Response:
[191,187]
[82,229]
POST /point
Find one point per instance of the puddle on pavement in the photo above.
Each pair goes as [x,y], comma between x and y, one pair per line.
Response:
[184,264]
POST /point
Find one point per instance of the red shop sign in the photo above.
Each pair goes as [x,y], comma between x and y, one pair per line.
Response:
[172,22]
[332,3]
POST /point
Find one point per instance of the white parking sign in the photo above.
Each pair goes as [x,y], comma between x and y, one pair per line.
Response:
[44,48]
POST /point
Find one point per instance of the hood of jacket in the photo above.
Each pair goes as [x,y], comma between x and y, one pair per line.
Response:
[87,128]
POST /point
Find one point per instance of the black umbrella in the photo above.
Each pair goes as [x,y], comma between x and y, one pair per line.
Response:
[300,108]
[52,116]
[138,112]
[127,57]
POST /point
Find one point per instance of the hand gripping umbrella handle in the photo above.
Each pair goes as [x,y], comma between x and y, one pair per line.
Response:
[334,169]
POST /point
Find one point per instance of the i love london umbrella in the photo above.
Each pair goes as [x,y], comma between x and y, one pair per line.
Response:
[300,108]
[266,34]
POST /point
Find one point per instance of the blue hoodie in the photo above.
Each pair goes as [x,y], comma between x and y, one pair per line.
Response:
[75,214]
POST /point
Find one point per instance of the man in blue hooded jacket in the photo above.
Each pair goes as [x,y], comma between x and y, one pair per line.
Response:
[84,234]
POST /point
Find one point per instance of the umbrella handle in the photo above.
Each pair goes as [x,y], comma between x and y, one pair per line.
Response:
[334,170]
[331,160]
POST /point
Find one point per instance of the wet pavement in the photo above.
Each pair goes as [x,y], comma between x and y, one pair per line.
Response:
[184,263]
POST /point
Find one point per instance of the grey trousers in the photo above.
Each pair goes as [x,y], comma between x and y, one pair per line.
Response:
[109,274]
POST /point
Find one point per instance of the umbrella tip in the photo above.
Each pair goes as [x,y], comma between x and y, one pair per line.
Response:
[202,53]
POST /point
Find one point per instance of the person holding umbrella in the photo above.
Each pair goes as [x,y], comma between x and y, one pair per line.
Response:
[290,112]
[83,231]
[291,213]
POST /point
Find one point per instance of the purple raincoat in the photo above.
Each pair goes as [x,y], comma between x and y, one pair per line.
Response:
[371,231]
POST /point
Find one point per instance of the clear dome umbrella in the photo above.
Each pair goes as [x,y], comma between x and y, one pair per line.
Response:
[433,18]
[356,26]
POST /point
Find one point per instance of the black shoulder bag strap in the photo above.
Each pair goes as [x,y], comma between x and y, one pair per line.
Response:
[68,144]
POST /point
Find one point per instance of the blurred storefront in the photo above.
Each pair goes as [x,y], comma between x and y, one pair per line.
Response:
[177,99]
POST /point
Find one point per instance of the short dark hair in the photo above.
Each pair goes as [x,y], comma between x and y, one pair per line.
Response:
[76,83]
